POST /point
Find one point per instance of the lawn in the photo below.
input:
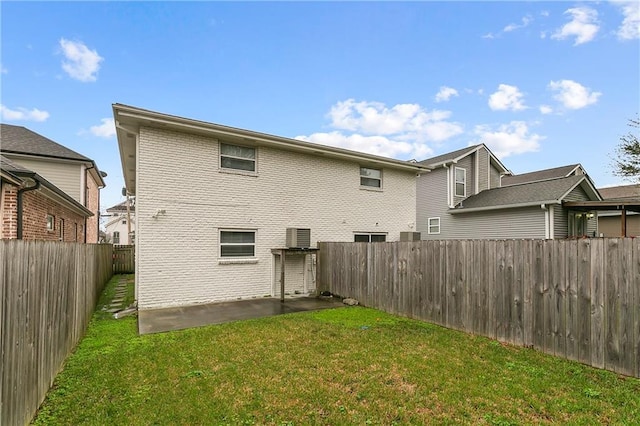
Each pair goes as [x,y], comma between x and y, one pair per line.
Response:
[349,365]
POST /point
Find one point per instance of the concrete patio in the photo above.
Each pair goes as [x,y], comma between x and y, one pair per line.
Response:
[168,319]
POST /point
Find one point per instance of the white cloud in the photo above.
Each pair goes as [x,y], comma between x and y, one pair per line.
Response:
[489,36]
[23,114]
[544,13]
[630,27]
[401,131]
[573,95]
[105,130]
[546,109]
[583,25]
[506,98]
[512,27]
[509,139]
[445,94]
[80,62]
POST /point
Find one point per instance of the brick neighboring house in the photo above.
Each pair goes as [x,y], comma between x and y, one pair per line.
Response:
[121,223]
[32,208]
[70,172]
[213,202]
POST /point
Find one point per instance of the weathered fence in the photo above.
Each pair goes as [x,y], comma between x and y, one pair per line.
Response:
[48,291]
[124,259]
[578,299]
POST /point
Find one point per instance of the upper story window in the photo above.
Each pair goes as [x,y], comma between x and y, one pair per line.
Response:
[236,157]
[369,238]
[237,243]
[370,177]
[461,182]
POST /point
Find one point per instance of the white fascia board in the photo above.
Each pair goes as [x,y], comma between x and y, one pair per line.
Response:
[502,207]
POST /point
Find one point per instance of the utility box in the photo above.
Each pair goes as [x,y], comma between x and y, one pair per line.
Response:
[409,236]
[298,238]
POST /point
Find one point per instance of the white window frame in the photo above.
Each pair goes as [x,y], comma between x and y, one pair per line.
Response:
[463,182]
[429,226]
[51,223]
[365,186]
[116,235]
[234,170]
[221,244]
[370,234]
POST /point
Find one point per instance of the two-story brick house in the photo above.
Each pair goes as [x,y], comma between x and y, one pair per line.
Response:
[212,202]
[470,194]
[70,172]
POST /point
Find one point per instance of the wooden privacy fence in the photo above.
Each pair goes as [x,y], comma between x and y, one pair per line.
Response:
[578,299]
[124,259]
[48,291]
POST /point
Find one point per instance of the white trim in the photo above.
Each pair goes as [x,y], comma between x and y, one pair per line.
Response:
[477,177]
[429,226]
[455,182]
[551,223]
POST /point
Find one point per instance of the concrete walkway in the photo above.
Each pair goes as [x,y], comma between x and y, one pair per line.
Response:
[167,319]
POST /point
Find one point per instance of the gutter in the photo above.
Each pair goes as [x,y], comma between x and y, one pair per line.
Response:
[20,206]
[505,206]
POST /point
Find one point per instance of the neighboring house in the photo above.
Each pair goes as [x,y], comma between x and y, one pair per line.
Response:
[609,221]
[32,208]
[72,173]
[470,194]
[121,223]
[212,202]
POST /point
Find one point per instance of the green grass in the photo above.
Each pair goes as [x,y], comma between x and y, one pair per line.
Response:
[340,366]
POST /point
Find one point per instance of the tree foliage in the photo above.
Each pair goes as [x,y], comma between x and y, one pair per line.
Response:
[626,164]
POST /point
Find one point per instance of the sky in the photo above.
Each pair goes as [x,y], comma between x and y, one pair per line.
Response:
[542,84]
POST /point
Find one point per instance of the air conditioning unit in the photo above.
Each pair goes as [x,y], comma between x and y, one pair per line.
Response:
[298,237]
[409,236]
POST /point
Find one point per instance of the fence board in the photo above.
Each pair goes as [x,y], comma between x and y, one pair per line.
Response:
[577,298]
[44,307]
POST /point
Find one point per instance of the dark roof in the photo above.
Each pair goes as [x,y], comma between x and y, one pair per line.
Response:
[524,194]
[20,140]
[538,175]
[121,207]
[448,156]
[622,192]
[11,167]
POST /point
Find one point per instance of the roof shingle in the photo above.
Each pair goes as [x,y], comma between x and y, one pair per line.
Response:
[20,140]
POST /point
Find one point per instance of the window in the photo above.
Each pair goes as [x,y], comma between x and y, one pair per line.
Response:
[577,224]
[51,220]
[370,177]
[237,157]
[461,182]
[124,222]
[370,238]
[434,225]
[237,243]
[116,237]
[61,230]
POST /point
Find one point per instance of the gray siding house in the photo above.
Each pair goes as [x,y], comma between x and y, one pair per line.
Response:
[470,194]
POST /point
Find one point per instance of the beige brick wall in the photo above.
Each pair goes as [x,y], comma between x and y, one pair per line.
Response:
[178,253]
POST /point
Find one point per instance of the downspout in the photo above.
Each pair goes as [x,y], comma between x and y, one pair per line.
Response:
[20,207]
[546,221]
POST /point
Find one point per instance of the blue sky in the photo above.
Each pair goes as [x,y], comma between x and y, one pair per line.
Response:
[543,84]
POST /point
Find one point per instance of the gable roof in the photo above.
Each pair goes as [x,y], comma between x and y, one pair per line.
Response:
[129,119]
[21,175]
[20,140]
[122,207]
[539,175]
[455,156]
[622,192]
[526,194]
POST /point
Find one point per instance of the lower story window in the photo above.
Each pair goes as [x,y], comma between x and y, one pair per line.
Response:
[116,237]
[577,224]
[237,243]
[369,238]
[434,225]
[51,220]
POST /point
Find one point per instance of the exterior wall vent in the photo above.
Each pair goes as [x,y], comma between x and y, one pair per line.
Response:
[409,236]
[298,237]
